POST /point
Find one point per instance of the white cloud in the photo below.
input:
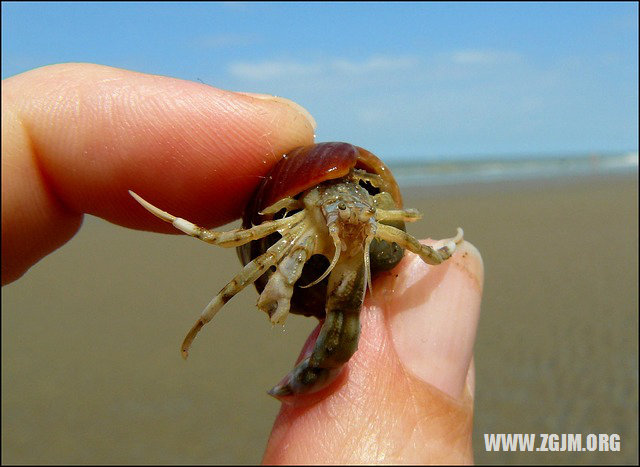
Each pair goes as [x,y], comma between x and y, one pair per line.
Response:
[377,63]
[483,57]
[218,41]
[271,69]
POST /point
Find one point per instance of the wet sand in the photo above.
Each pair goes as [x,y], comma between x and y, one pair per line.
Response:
[91,370]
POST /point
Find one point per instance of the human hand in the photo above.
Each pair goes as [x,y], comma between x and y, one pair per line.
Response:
[407,395]
[76,137]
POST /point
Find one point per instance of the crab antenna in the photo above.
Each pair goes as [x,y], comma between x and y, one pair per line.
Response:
[367,262]
[334,261]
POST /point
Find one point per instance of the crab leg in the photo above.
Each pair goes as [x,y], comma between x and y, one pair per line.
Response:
[276,296]
[374,179]
[252,271]
[338,338]
[428,254]
[288,204]
[407,215]
[227,239]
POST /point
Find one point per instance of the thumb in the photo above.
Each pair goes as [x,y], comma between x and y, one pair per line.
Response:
[407,393]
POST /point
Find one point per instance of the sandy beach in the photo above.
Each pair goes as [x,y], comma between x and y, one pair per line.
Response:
[91,369]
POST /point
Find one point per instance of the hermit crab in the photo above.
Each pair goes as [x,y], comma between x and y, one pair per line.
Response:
[326,219]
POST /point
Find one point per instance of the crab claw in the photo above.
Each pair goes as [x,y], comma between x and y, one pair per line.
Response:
[333,343]
[305,378]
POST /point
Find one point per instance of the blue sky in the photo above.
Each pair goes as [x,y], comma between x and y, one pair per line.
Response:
[405,80]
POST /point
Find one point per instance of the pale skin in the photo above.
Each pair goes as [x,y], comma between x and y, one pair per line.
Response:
[77,137]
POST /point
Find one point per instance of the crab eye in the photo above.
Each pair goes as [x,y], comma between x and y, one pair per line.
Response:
[342,206]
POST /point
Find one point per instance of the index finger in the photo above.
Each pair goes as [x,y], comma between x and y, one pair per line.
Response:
[77,137]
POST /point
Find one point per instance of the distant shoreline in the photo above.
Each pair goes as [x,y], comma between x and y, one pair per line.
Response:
[516,169]
[512,187]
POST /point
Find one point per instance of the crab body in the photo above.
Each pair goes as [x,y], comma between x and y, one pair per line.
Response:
[339,172]
[325,219]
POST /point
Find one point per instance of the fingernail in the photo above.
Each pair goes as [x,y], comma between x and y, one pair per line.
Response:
[435,311]
[294,105]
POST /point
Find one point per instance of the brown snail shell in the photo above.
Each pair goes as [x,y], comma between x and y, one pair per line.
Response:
[298,171]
